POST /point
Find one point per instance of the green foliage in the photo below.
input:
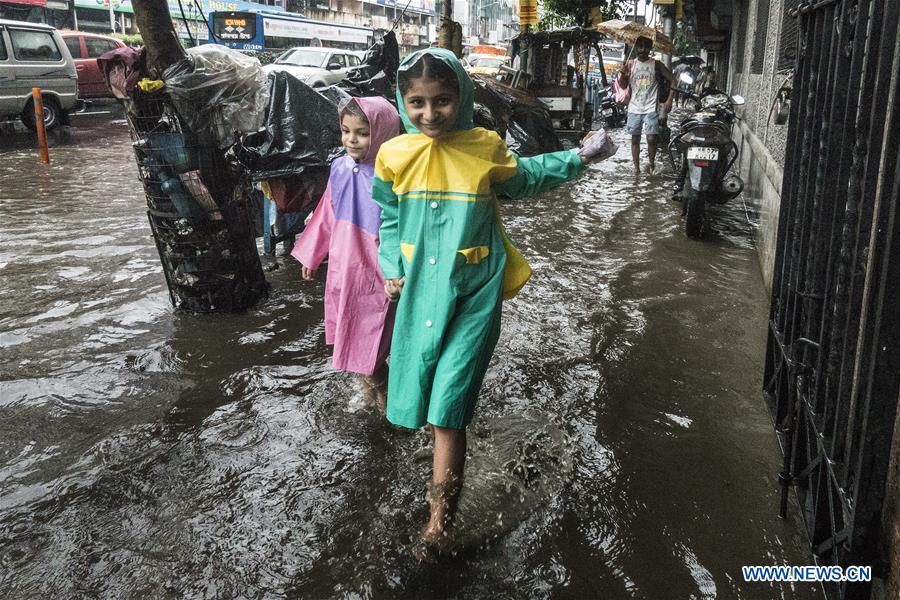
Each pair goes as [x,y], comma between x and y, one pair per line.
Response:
[685,42]
[130,39]
[566,13]
[264,57]
[551,20]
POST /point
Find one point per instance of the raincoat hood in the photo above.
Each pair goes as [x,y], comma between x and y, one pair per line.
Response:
[464,115]
[384,123]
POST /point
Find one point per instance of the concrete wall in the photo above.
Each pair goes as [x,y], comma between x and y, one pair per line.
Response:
[760,140]
[762,175]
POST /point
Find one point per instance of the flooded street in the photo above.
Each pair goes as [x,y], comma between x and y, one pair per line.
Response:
[621,447]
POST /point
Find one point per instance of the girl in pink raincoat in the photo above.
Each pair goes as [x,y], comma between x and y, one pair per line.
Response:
[344,227]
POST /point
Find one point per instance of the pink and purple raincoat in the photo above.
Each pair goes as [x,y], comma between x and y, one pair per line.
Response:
[344,227]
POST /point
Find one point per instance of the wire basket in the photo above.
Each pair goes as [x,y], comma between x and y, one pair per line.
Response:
[199,208]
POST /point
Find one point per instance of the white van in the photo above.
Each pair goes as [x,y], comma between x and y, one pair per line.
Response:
[34,55]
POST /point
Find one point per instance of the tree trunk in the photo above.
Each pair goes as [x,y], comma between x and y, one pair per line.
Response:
[445,34]
[450,33]
[216,267]
[155,24]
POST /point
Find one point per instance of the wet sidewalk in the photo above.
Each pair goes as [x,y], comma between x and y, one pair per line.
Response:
[621,448]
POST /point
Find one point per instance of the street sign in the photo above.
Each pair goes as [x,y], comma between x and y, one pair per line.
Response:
[528,14]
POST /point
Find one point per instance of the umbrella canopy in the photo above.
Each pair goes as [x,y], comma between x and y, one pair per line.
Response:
[629,31]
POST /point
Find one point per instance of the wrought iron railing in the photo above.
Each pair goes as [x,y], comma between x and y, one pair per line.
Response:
[832,371]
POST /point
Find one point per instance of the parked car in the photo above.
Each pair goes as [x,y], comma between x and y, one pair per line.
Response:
[34,55]
[485,64]
[317,67]
[85,49]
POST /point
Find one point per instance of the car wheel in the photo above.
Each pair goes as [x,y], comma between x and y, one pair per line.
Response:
[317,84]
[53,114]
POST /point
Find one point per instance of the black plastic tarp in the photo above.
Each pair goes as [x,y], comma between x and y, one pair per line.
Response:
[521,120]
[378,71]
[531,132]
[300,130]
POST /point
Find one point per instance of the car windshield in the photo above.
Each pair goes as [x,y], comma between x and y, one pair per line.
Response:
[492,63]
[302,58]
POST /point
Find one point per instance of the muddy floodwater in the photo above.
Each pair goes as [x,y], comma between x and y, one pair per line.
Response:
[620,449]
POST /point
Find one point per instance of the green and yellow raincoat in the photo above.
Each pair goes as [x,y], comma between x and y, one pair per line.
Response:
[440,230]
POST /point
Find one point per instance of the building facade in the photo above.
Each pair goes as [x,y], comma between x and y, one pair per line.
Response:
[819,156]
[415,22]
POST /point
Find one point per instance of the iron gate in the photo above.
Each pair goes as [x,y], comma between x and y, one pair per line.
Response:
[832,370]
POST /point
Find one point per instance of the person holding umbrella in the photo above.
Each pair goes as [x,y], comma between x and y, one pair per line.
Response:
[642,78]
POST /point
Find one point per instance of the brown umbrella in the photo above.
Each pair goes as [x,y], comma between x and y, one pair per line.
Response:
[629,31]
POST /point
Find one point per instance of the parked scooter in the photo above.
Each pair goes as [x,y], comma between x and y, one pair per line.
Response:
[706,153]
[607,111]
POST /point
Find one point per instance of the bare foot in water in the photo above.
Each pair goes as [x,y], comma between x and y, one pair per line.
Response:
[375,389]
[435,538]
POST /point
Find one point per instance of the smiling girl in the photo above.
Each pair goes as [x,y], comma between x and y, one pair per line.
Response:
[344,227]
[444,255]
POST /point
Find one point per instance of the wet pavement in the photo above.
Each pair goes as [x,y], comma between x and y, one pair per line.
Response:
[621,448]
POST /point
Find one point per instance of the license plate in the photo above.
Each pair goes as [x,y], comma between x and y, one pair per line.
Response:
[699,153]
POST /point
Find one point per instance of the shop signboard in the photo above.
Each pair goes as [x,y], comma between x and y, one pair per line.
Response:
[311,30]
[425,7]
[528,13]
[190,11]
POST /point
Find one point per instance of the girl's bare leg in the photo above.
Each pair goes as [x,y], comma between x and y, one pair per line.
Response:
[376,388]
[379,383]
[446,482]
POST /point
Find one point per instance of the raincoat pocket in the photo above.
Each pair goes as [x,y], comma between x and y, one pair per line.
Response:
[407,251]
[476,254]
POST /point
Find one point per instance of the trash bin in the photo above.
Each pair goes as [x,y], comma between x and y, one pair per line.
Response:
[199,207]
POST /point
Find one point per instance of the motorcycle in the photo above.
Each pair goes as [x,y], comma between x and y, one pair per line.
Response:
[707,154]
[606,110]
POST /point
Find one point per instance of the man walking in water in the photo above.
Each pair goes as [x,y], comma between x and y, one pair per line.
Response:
[642,77]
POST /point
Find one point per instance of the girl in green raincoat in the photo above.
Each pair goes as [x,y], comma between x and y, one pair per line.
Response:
[444,255]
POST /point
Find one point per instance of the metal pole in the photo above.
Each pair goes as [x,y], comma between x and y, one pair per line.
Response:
[74,15]
[669,30]
[112,17]
[38,102]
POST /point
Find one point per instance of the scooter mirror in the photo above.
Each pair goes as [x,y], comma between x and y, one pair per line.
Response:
[686,78]
[737,100]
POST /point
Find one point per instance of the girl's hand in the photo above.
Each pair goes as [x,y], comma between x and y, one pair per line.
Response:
[585,160]
[596,146]
[394,287]
[306,273]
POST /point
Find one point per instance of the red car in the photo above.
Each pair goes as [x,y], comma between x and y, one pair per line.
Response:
[85,49]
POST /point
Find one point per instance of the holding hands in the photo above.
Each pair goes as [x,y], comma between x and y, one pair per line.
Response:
[394,287]
[306,273]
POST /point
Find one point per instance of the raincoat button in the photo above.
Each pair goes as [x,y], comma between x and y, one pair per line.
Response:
[428,323]
[356,169]
[434,205]
[432,261]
